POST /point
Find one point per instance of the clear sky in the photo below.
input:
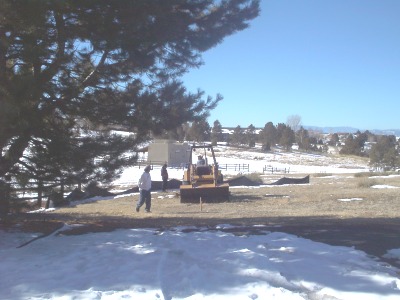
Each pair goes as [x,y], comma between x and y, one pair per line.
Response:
[332,62]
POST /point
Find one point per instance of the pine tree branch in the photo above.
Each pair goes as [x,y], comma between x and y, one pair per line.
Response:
[53,69]
[92,76]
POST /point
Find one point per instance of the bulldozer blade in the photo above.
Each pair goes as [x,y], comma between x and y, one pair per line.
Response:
[208,193]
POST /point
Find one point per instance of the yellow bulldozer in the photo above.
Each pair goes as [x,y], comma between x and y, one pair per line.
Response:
[203,181]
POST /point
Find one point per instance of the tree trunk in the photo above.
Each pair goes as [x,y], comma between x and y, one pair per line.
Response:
[40,193]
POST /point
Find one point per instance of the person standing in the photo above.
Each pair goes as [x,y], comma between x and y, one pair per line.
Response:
[164,176]
[200,161]
[145,190]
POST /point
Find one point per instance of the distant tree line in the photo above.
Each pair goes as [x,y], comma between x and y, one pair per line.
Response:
[382,150]
[281,135]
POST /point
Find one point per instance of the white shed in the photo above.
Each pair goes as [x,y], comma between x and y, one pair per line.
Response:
[166,151]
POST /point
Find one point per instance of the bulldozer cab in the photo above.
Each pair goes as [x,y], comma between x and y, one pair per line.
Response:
[202,153]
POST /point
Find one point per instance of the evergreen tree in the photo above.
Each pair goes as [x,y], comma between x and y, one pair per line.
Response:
[287,138]
[280,128]
[108,63]
[250,136]
[268,136]
[237,137]
[199,131]
[350,146]
[355,145]
[303,139]
[334,140]
[384,154]
[361,138]
[216,133]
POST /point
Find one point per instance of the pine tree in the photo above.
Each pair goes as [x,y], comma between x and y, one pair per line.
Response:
[334,141]
[355,145]
[287,138]
[250,136]
[384,154]
[350,146]
[199,131]
[216,133]
[303,139]
[268,136]
[237,137]
[106,63]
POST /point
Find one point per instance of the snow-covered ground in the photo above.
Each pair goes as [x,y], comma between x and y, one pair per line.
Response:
[195,263]
[188,263]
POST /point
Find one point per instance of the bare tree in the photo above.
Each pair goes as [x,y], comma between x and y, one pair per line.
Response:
[294,122]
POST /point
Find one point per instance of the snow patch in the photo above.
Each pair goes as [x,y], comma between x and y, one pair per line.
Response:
[350,199]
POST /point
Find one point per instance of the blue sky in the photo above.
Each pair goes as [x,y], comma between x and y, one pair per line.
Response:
[332,62]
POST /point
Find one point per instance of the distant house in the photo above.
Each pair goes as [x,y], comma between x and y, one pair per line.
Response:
[166,151]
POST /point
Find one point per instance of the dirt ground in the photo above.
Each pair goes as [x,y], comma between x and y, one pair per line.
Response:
[341,210]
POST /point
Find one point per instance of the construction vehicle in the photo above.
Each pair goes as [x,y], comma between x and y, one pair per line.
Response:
[203,182]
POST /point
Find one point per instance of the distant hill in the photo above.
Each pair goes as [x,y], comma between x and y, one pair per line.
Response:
[395,132]
[332,129]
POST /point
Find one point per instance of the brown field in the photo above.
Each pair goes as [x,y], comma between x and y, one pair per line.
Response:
[319,199]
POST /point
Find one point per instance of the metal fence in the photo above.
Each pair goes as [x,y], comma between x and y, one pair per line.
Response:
[272,170]
[234,167]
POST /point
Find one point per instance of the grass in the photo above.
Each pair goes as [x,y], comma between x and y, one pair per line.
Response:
[366,182]
[322,174]
[374,174]
[319,199]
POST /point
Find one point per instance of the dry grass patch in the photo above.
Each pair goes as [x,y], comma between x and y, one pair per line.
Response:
[319,198]
[366,182]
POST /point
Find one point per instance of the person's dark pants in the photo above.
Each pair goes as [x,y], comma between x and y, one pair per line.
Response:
[164,184]
[145,197]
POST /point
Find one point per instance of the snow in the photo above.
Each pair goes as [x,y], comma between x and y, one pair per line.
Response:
[193,262]
[350,199]
[383,186]
[188,263]
[393,254]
